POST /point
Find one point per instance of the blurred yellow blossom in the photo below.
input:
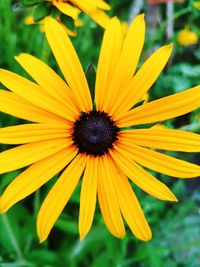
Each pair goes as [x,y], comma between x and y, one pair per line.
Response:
[77,23]
[187,37]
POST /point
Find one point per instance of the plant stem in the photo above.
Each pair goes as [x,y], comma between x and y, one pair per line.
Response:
[36,202]
[170,21]
[12,237]
[177,15]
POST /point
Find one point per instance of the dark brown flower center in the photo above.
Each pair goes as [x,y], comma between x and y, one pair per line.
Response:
[94,133]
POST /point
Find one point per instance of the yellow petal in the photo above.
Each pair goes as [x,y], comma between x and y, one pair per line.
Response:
[141,177]
[100,17]
[24,155]
[127,63]
[87,6]
[70,32]
[144,79]
[160,162]
[29,133]
[29,20]
[162,109]
[48,79]
[88,196]
[67,9]
[108,200]
[59,196]
[18,107]
[167,139]
[131,209]
[109,55]
[35,94]
[34,177]
[68,62]
[92,9]
[102,5]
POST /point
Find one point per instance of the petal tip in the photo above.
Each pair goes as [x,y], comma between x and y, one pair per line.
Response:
[170,46]
[41,237]
[17,56]
[2,210]
[41,240]
[175,199]
[141,17]
[114,20]
[20,55]
[171,197]
[148,237]
[47,19]
[3,207]
[82,236]
[122,235]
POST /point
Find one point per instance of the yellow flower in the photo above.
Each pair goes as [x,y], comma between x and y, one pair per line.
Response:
[94,8]
[69,134]
[77,23]
[187,37]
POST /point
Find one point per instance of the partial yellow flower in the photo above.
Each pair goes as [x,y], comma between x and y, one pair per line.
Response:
[187,37]
[93,8]
[77,23]
[69,134]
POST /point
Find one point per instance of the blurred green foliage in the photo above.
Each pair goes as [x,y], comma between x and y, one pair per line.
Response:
[176,232]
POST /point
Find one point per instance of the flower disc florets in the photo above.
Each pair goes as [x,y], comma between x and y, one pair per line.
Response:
[94,133]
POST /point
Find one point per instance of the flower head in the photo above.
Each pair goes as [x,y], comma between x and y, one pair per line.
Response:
[187,37]
[94,139]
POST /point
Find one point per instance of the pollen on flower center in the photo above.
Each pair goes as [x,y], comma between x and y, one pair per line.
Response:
[94,133]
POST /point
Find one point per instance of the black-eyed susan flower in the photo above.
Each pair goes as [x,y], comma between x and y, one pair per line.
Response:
[94,139]
[187,37]
[94,8]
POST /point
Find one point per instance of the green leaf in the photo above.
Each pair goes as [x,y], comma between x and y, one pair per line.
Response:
[30,2]
[41,11]
[55,13]
[68,22]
